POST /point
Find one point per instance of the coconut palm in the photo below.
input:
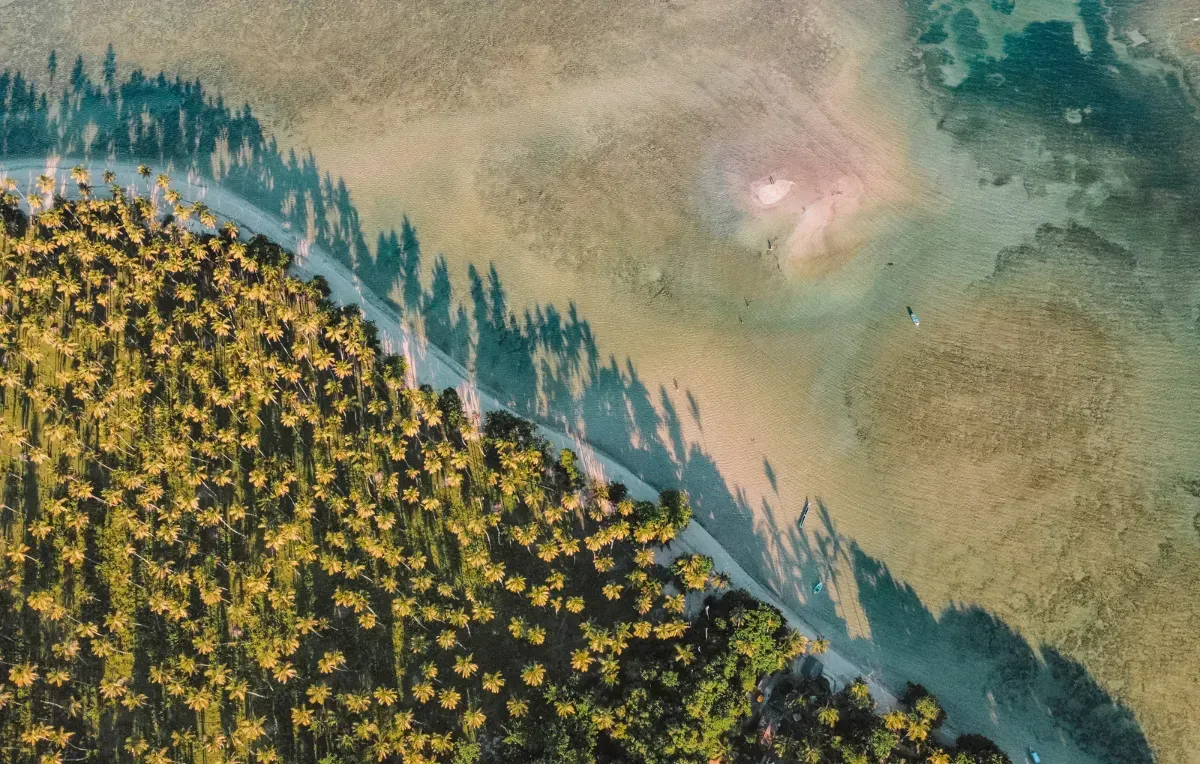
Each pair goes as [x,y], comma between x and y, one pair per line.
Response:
[465,667]
[318,693]
[564,708]
[449,698]
[473,719]
[493,682]
[533,674]
[423,691]
[581,660]
[829,716]
[517,708]
[896,721]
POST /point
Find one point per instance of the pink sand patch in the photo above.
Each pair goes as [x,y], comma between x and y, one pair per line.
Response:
[804,201]
[803,180]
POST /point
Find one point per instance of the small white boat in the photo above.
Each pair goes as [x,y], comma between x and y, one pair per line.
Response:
[916,321]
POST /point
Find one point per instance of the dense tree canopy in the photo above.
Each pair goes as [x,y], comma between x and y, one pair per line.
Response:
[231,531]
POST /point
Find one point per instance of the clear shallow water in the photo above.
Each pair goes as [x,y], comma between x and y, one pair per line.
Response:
[1007,492]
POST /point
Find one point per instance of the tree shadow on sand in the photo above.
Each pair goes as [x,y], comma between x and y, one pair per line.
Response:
[1012,678]
[544,362]
[992,678]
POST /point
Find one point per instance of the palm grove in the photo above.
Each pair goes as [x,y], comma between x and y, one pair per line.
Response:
[232,532]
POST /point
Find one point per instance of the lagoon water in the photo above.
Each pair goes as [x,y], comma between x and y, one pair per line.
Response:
[691,230]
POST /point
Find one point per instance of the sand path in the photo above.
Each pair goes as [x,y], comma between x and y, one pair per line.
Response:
[430,366]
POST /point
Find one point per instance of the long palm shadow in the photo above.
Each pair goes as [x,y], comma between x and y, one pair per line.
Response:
[991,677]
[545,363]
[1038,687]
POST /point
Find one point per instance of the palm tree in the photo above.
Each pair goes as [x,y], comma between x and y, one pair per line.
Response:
[581,660]
[917,730]
[896,721]
[318,693]
[564,708]
[809,753]
[23,674]
[473,719]
[331,661]
[685,654]
[533,674]
[517,708]
[449,698]
[465,667]
[535,635]
[423,691]
[828,715]
[927,709]
[204,214]
[494,682]
[443,743]
[859,692]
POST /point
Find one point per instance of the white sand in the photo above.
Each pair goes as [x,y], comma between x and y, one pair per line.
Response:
[771,193]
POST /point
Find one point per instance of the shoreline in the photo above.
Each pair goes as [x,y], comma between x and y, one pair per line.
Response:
[429,365]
